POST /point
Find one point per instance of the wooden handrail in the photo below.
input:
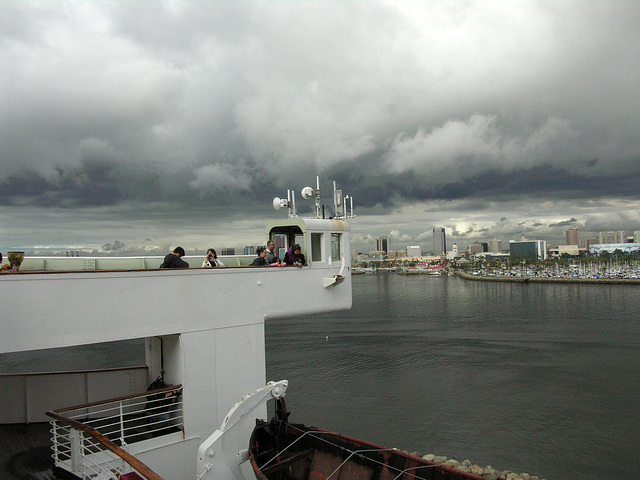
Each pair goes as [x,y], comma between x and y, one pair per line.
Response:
[140,467]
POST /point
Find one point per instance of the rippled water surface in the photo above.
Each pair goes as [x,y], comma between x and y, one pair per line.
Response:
[543,379]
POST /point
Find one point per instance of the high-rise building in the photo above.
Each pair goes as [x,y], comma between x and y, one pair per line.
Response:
[528,249]
[612,237]
[495,246]
[475,248]
[382,244]
[414,251]
[439,241]
[573,237]
[250,250]
[636,236]
[228,251]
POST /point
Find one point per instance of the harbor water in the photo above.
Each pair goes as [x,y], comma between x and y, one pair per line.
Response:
[543,379]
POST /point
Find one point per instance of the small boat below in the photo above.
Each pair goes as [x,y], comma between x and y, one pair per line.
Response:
[282,450]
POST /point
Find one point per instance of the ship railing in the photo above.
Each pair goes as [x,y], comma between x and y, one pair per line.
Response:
[93,440]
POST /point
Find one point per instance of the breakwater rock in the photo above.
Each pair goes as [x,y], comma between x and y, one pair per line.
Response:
[586,281]
[487,471]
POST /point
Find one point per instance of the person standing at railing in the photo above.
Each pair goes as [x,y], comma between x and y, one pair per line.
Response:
[271,257]
[174,259]
[294,256]
[212,259]
[161,408]
[259,261]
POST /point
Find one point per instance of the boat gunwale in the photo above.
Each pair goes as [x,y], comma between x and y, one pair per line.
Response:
[455,473]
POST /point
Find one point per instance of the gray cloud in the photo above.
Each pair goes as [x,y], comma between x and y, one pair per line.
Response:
[454,114]
[113,247]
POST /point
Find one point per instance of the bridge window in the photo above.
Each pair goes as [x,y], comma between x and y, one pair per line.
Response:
[316,247]
[280,240]
[335,246]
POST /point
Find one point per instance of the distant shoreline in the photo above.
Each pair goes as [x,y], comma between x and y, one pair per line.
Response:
[484,278]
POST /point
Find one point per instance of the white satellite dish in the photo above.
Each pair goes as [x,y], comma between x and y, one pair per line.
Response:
[278,203]
[308,192]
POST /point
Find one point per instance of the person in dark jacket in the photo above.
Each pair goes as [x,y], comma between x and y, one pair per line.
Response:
[294,256]
[259,261]
[174,259]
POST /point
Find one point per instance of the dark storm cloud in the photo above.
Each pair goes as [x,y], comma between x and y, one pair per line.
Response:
[213,108]
[565,223]
[113,247]
[373,187]
[543,180]
[90,184]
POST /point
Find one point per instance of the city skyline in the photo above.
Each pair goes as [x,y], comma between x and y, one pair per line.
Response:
[137,126]
[497,245]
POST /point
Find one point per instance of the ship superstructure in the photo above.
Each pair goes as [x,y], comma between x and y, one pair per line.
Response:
[203,330]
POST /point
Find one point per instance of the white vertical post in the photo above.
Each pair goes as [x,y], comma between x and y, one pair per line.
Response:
[75,440]
[318,206]
[293,202]
[122,442]
[56,450]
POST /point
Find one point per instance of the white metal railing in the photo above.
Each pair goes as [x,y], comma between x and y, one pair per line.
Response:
[91,440]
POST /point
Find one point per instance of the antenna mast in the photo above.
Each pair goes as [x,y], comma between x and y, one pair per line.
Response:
[342,207]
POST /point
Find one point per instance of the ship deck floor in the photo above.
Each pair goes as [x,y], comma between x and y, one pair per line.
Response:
[25,451]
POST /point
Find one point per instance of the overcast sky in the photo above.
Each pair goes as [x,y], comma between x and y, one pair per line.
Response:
[147,124]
